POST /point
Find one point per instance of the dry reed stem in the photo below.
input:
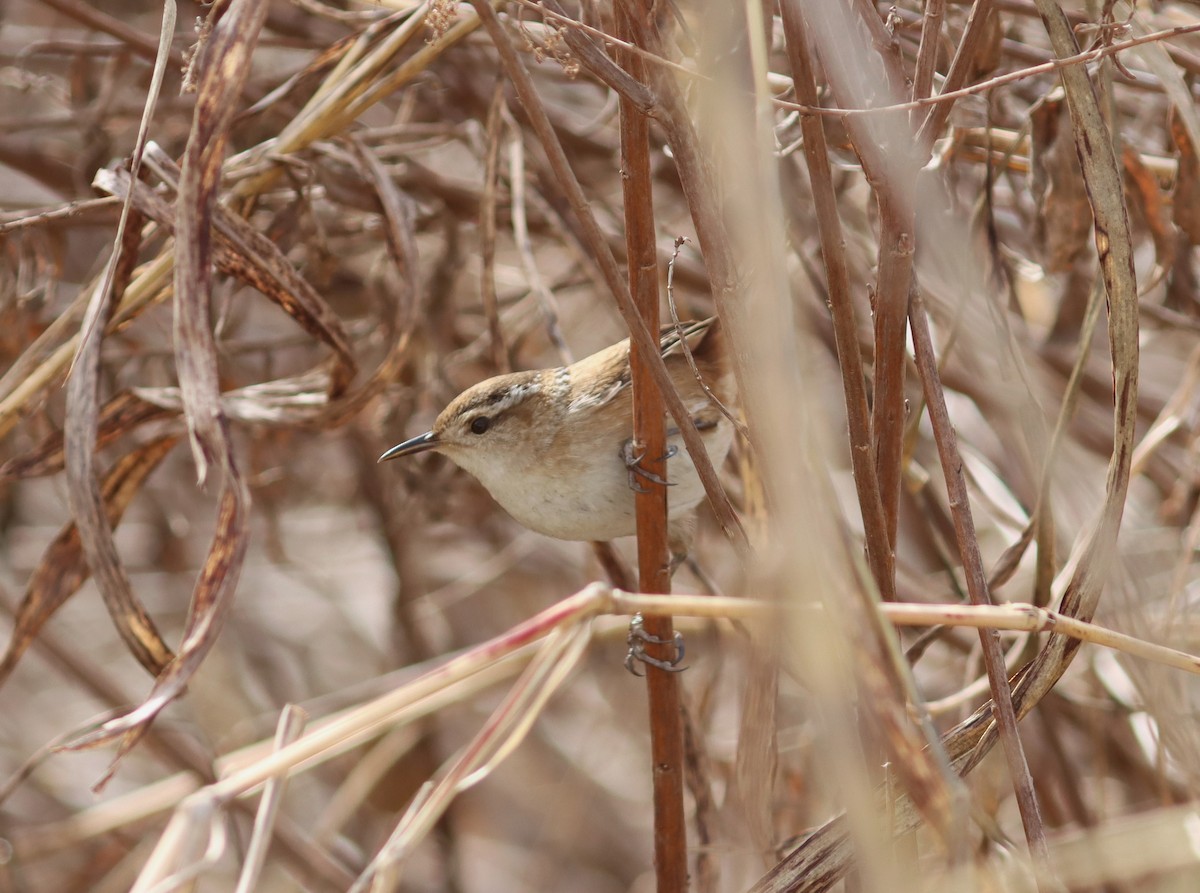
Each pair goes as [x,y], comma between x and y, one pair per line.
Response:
[845,322]
[968,545]
[483,666]
[917,755]
[650,445]
[291,725]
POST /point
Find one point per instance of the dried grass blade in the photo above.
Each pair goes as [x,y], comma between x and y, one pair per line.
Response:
[1102,173]
[251,257]
[336,54]
[398,230]
[224,68]
[290,727]
[63,569]
[83,396]
[100,305]
[487,229]
[378,90]
[120,415]
[328,109]
[503,732]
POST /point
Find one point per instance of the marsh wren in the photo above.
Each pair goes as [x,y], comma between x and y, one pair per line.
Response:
[555,446]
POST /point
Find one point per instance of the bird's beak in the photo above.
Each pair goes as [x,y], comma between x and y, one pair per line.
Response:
[419,444]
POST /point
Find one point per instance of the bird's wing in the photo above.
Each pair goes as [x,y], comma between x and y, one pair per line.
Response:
[612,365]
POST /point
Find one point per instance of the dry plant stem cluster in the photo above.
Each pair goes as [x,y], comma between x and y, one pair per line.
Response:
[547,646]
[303,156]
[1119,279]
[232,43]
[893,304]
[935,795]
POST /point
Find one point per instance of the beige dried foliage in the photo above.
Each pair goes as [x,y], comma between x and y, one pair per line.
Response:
[341,180]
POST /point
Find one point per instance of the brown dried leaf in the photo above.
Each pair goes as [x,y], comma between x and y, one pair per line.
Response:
[63,569]
[251,257]
[1186,197]
[223,68]
[83,396]
[321,63]
[1153,206]
[1064,218]
[210,602]
[1115,249]
[120,415]
[286,401]
[87,502]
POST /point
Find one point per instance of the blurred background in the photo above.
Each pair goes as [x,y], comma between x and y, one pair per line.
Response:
[357,575]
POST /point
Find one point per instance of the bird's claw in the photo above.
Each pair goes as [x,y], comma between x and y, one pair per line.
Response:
[633,462]
[637,640]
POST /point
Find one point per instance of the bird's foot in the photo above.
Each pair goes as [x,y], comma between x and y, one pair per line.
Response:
[633,462]
[638,639]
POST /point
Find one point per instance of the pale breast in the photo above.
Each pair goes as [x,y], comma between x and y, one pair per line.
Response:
[588,496]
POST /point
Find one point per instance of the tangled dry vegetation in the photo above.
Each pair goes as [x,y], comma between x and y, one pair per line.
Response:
[343,213]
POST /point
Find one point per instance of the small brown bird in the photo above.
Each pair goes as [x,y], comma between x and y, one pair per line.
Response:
[553,446]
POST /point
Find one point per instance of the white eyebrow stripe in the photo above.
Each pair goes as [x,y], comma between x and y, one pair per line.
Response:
[514,395]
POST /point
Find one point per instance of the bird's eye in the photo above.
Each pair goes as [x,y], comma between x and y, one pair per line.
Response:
[480,424]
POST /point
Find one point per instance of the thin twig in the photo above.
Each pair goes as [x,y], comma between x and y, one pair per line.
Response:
[520,225]
[960,66]
[951,96]
[931,35]
[976,579]
[487,230]
[687,351]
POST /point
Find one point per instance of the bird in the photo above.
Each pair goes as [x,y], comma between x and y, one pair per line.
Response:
[554,447]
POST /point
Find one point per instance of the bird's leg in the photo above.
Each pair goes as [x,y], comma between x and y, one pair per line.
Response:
[633,462]
[638,638]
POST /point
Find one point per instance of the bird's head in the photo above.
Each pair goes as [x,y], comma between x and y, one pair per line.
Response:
[494,427]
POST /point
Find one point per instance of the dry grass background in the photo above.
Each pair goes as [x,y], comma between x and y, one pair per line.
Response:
[390,232]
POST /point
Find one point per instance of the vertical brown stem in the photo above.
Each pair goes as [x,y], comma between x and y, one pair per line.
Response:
[896,246]
[841,308]
[968,544]
[650,442]
[891,314]
[956,77]
[931,33]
